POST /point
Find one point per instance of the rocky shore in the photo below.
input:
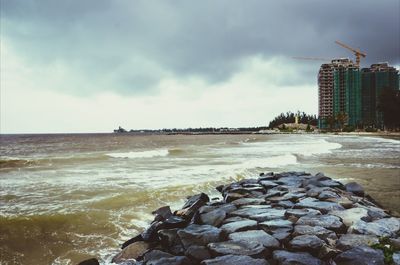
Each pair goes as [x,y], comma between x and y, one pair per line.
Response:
[285,218]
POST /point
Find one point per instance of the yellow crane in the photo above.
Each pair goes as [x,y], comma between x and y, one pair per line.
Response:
[356,52]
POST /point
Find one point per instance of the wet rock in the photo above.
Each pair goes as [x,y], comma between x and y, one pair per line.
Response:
[351,215]
[260,236]
[322,206]
[395,243]
[231,196]
[133,251]
[290,258]
[328,252]
[239,226]
[284,204]
[396,258]
[306,243]
[327,221]
[283,235]
[360,256]
[267,184]
[343,201]
[270,214]
[348,241]
[354,188]
[324,195]
[248,201]
[155,255]
[169,237]
[192,205]
[292,181]
[234,260]
[177,260]
[132,240]
[234,219]
[272,225]
[162,213]
[251,211]
[381,228]
[195,199]
[318,231]
[199,235]
[213,218]
[92,261]
[150,234]
[174,222]
[231,247]
[198,253]
[301,212]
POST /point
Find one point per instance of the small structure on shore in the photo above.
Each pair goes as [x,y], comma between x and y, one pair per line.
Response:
[277,219]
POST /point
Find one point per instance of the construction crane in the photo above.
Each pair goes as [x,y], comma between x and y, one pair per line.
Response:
[357,53]
[311,58]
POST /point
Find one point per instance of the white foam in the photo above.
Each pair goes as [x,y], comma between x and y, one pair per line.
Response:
[271,162]
[142,154]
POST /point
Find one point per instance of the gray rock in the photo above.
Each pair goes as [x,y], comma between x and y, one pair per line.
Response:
[348,241]
[327,195]
[133,251]
[251,211]
[169,237]
[268,184]
[323,206]
[354,188]
[272,225]
[270,214]
[284,204]
[231,247]
[234,260]
[234,219]
[282,234]
[293,181]
[318,231]
[306,243]
[360,256]
[155,255]
[382,227]
[301,212]
[290,258]
[198,252]
[213,218]
[177,260]
[327,221]
[351,215]
[260,236]
[239,226]
[248,201]
[396,258]
[199,235]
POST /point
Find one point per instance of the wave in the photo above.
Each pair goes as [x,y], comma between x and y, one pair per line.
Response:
[271,162]
[141,154]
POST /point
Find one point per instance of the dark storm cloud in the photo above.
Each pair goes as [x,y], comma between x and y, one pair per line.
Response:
[131,45]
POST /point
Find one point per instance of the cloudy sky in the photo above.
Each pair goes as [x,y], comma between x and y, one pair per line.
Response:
[91,65]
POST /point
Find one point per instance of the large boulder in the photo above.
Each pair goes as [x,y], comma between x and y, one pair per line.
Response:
[318,231]
[213,218]
[355,188]
[273,225]
[234,260]
[361,255]
[351,215]
[199,235]
[290,258]
[232,247]
[309,243]
[239,226]
[270,214]
[327,221]
[133,251]
[385,227]
[177,260]
[251,210]
[348,241]
[323,206]
[260,236]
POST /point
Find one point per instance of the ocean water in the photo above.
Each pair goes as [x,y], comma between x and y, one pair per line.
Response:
[64,198]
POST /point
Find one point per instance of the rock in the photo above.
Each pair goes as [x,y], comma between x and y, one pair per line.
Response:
[327,221]
[323,206]
[150,234]
[354,188]
[306,243]
[199,235]
[360,256]
[385,227]
[234,219]
[270,214]
[327,195]
[132,240]
[396,258]
[395,243]
[155,255]
[284,204]
[318,231]
[248,201]
[301,212]
[198,253]
[239,226]
[282,234]
[192,205]
[234,260]
[272,225]
[213,218]
[174,222]
[162,213]
[300,258]
[328,252]
[292,181]
[231,247]
[92,261]
[232,196]
[260,236]
[348,241]
[195,199]
[351,215]
[169,237]
[133,251]
[251,211]
[267,184]
[177,260]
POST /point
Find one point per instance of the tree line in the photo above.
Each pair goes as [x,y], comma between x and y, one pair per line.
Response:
[289,117]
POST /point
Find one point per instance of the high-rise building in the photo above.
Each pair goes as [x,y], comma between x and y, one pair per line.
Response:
[339,92]
[374,80]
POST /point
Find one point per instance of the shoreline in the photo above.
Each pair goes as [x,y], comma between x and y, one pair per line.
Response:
[277,219]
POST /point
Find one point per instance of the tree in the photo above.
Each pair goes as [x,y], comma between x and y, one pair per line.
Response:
[389,105]
[341,118]
[331,121]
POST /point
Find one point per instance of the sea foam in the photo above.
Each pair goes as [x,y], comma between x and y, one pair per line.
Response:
[141,154]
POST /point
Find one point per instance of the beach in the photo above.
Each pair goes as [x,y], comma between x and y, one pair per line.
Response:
[67,197]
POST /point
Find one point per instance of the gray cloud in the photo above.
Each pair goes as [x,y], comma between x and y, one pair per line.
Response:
[129,46]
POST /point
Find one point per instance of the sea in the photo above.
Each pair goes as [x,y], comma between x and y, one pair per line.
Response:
[68,197]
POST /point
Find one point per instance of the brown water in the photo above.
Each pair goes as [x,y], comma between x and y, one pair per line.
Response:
[66,197]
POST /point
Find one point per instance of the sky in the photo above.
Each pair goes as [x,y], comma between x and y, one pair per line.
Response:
[93,65]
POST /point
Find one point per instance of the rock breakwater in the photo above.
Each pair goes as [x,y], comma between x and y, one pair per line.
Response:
[285,218]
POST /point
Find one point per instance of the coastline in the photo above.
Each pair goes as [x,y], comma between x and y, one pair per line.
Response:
[284,218]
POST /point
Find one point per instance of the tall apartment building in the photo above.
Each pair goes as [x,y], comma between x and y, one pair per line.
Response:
[343,88]
[374,80]
[339,91]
